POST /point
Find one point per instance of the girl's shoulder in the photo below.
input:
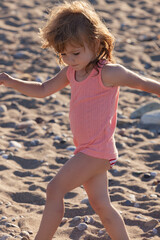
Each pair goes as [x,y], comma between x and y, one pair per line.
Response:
[112,68]
[110,73]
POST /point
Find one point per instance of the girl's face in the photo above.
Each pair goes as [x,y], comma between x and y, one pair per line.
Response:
[77,57]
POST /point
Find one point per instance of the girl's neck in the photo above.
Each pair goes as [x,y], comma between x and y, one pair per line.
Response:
[83,74]
[80,76]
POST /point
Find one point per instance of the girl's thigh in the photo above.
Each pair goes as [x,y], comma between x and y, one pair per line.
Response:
[78,170]
[97,190]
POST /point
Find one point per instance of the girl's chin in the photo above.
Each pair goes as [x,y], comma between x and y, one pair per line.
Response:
[74,66]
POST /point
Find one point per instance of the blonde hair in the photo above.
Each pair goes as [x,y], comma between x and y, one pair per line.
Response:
[77,22]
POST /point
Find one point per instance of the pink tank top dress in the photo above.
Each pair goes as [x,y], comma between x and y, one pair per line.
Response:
[93,115]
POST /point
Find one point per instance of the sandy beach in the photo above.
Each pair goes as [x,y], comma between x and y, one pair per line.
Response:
[35,135]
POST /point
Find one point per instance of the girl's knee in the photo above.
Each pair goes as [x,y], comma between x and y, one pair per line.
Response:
[50,189]
[54,189]
[99,205]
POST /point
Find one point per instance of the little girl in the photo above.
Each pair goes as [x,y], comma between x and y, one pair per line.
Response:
[84,44]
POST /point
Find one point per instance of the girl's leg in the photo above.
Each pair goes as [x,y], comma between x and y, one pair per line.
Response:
[97,191]
[75,172]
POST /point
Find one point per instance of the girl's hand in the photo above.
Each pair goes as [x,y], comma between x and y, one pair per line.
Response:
[4,79]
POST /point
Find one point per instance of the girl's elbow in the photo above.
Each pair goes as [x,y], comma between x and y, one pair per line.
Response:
[43,92]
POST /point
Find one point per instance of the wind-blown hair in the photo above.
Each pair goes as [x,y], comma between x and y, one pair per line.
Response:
[77,22]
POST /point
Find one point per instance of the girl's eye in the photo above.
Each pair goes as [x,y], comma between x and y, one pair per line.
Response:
[63,54]
[77,53]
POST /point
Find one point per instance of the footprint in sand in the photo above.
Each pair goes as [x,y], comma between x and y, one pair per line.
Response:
[3,167]
[27,197]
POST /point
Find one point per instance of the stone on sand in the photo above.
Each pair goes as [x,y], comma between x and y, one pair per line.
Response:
[3,108]
[152,117]
[85,201]
[5,237]
[25,124]
[144,109]
[76,218]
[82,226]
[15,144]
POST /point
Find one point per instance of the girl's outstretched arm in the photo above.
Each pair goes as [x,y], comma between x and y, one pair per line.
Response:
[117,75]
[35,89]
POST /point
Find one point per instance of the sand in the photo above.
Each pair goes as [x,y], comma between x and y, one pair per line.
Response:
[27,167]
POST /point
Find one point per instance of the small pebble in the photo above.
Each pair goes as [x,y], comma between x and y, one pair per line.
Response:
[121,132]
[71,148]
[25,238]
[76,218]
[115,171]
[8,204]
[85,201]
[11,225]
[132,197]
[56,102]
[64,220]
[35,142]
[25,124]
[2,152]
[136,205]
[141,216]
[57,138]
[5,156]
[137,173]
[156,182]
[120,145]
[82,226]
[101,232]
[4,237]
[15,144]
[44,163]
[59,114]
[21,55]
[3,218]
[121,116]
[153,195]
[86,219]
[153,174]
[89,220]
[38,79]
[155,231]
[147,65]
[39,120]
[44,128]
[3,108]
[147,175]
[54,96]
[24,234]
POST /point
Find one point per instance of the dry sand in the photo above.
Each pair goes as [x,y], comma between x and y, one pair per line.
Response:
[25,170]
